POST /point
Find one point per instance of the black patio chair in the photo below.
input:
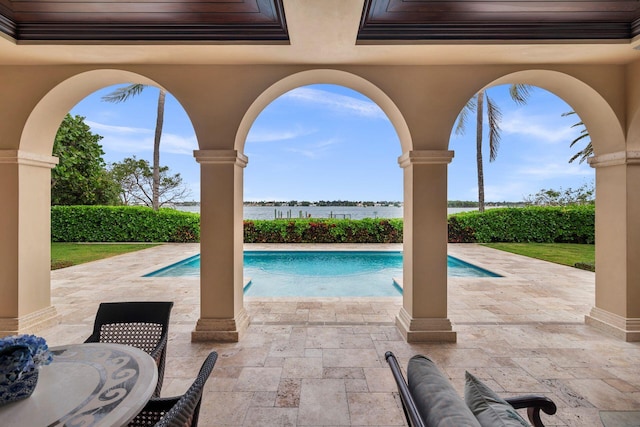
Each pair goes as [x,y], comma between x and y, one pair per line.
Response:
[143,324]
[178,411]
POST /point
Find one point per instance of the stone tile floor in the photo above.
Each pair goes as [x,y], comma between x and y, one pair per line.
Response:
[320,362]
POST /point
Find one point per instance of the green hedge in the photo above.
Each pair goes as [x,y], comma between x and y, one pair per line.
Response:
[367,230]
[572,224]
[122,224]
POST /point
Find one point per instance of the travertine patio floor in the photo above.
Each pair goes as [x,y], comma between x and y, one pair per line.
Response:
[320,362]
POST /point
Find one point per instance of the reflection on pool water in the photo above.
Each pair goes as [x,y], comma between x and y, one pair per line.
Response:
[321,273]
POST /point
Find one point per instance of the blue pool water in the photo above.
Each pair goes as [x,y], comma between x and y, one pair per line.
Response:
[321,273]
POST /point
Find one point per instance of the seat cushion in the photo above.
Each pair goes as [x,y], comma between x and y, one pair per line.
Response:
[490,409]
[436,400]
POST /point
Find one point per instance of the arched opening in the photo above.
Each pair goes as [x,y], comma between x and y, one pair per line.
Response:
[27,174]
[532,153]
[128,129]
[603,125]
[325,76]
[323,153]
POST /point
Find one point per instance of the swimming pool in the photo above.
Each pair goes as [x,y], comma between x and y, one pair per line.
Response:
[321,273]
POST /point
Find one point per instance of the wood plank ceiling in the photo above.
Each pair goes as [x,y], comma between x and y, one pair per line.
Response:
[144,20]
[499,20]
[263,21]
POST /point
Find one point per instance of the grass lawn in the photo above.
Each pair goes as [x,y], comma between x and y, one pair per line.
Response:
[68,254]
[560,253]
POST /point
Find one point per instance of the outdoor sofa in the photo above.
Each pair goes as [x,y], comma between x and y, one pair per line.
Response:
[429,399]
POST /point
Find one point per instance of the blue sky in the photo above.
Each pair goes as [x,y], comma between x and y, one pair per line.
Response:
[326,142]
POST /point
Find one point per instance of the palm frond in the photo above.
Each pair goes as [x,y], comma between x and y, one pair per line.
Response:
[587,151]
[583,154]
[583,135]
[469,107]
[494,116]
[123,93]
[520,93]
[579,124]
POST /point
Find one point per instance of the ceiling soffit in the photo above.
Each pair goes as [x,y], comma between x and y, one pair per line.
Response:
[259,21]
[387,20]
[263,21]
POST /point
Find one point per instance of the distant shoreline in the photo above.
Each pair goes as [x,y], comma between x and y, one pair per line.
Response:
[339,212]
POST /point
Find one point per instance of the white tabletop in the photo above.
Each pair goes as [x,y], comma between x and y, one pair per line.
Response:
[90,385]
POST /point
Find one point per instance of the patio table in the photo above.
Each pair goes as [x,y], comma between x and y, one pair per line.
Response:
[92,385]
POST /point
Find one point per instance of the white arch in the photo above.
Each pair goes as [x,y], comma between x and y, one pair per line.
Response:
[325,76]
[606,129]
[43,122]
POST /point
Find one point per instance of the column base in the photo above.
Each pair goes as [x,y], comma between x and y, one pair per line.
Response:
[626,329]
[221,330]
[424,330]
[30,323]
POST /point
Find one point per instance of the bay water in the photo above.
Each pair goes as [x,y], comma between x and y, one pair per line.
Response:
[348,212]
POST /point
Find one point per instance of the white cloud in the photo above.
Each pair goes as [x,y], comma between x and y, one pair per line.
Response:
[130,140]
[265,135]
[336,102]
[544,129]
[120,130]
[315,150]
[178,144]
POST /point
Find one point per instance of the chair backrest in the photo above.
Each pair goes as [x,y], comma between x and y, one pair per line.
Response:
[137,312]
[185,412]
[141,324]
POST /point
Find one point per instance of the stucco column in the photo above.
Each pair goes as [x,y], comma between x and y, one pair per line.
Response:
[617,305]
[25,245]
[423,316]
[222,313]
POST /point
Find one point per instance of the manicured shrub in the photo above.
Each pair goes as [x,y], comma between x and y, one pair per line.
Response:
[574,224]
[571,224]
[122,224]
[306,230]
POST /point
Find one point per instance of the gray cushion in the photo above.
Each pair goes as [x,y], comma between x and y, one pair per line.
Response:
[437,401]
[490,409]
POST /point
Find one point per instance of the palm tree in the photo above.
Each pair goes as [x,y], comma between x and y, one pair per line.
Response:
[121,95]
[519,93]
[587,151]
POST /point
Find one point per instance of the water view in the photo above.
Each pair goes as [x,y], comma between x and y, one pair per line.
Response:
[349,212]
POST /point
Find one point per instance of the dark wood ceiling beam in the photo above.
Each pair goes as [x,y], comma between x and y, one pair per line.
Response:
[498,20]
[252,21]
[263,21]
[497,31]
[146,32]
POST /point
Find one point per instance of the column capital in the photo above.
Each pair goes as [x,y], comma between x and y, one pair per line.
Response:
[221,157]
[425,157]
[615,159]
[18,157]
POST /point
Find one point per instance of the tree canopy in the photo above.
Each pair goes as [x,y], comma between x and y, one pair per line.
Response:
[583,195]
[135,178]
[81,177]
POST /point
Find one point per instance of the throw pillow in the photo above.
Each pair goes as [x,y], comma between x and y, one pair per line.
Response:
[490,409]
